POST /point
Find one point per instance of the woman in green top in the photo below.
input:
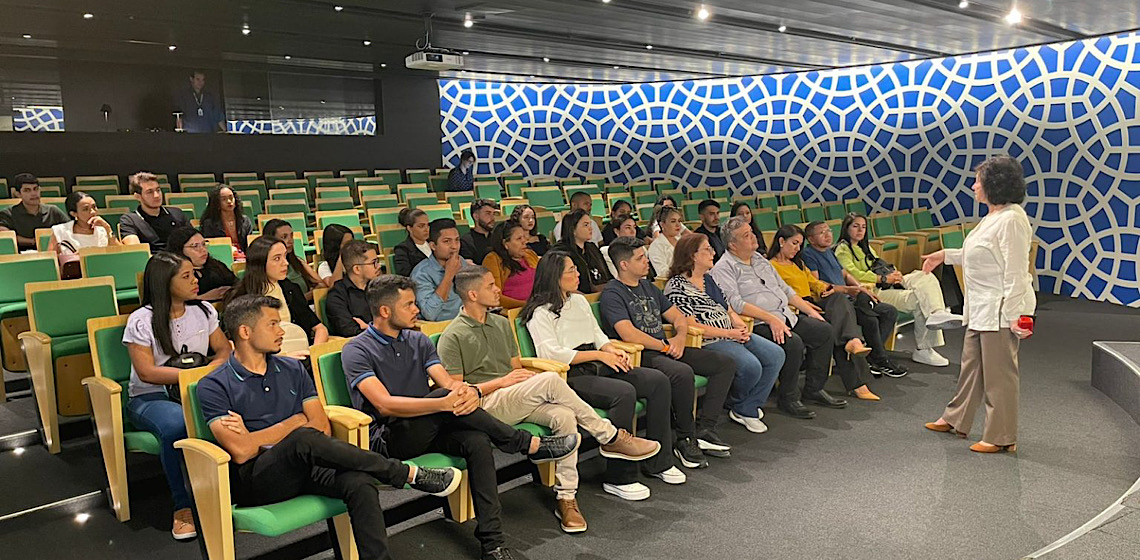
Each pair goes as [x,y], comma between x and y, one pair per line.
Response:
[917,293]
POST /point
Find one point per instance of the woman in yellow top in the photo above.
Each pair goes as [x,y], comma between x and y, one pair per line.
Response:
[512,263]
[850,352]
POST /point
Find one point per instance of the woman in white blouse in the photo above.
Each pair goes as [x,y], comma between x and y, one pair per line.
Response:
[564,329]
[86,228]
[660,252]
[998,309]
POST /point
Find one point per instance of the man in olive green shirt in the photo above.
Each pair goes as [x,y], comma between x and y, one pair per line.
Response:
[479,347]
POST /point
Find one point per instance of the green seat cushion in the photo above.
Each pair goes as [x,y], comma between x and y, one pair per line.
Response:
[9,308]
[141,442]
[438,461]
[277,519]
[700,381]
[69,345]
[533,429]
[904,317]
[638,410]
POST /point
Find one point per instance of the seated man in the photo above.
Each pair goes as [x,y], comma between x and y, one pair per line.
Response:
[754,289]
[151,222]
[876,318]
[710,226]
[29,215]
[479,347]
[388,367]
[346,307]
[263,410]
[581,200]
[632,310]
[435,275]
[475,244]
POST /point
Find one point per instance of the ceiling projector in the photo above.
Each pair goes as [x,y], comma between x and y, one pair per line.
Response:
[433,60]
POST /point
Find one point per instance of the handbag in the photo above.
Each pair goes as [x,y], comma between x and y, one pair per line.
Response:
[594,368]
[882,269]
[184,360]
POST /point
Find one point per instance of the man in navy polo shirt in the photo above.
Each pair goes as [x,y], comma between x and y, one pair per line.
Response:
[263,410]
[387,368]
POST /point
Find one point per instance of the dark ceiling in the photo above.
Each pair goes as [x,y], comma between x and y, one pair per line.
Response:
[584,40]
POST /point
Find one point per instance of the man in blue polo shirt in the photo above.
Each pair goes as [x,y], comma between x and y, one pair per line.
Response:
[434,276]
[876,318]
[388,367]
[263,410]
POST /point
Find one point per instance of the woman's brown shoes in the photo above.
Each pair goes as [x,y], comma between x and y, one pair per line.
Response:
[982,447]
[934,426]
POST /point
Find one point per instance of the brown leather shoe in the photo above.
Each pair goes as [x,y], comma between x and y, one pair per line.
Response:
[934,426]
[629,447]
[183,528]
[865,393]
[570,516]
[982,447]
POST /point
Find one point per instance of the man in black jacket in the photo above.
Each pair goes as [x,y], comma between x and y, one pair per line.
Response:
[346,308]
[151,222]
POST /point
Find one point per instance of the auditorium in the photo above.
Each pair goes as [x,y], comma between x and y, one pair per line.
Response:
[570,279]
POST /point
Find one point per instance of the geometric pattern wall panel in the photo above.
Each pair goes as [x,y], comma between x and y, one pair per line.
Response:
[324,126]
[897,135]
[37,119]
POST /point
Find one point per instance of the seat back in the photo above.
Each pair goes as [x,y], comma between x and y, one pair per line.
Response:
[296,220]
[239,176]
[418,199]
[488,190]
[372,186]
[522,335]
[814,212]
[419,176]
[387,237]
[18,270]
[790,215]
[332,204]
[790,199]
[221,248]
[390,177]
[856,206]
[119,262]
[765,221]
[923,219]
[8,243]
[952,237]
[882,224]
[379,201]
[347,218]
[548,197]
[328,373]
[458,200]
[108,353]
[196,426]
[274,177]
[62,307]
[383,217]
[834,210]
[905,222]
[691,209]
[198,200]
[99,192]
[403,190]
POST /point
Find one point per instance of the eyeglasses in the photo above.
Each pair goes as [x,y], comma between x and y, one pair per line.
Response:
[197,246]
[373,262]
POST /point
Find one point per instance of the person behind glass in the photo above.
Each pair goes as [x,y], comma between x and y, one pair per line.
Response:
[267,274]
[660,252]
[634,310]
[300,273]
[475,244]
[758,360]
[564,329]
[524,215]
[414,248]
[171,321]
[200,109]
[998,310]
[434,277]
[224,217]
[29,214]
[620,208]
[86,228]
[830,300]
[511,263]
[625,225]
[743,209]
[580,200]
[576,234]
[876,318]
[709,211]
[334,238]
[752,288]
[215,279]
[151,222]
[462,178]
[279,438]
[346,307]
[917,293]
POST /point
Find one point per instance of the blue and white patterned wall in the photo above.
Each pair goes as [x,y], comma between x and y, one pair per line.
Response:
[897,135]
[37,119]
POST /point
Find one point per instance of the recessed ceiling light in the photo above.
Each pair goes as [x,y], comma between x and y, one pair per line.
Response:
[27,35]
[338,8]
[546,59]
[468,22]
[367,43]
[963,4]
[1013,17]
[322,102]
[259,98]
[287,57]
[702,13]
[245,29]
[172,47]
[616,67]
[465,53]
[648,47]
[82,517]
[88,15]
[383,65]
[605,1]
[19,450]
[783,28]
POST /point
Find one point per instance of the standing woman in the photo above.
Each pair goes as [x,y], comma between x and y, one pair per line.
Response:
[214,277]
[742,208]
[267,274]
[577,229]
[660,252]
[999,297]
[409,252]
[224,218]
[171,322]
[524,214]
[512,263]
[86,228]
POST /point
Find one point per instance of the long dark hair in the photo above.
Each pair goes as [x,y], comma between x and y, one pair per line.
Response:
[176,243]
[569,222]
[785,233]
[499,236]
[334,233]
[295,263]
[160,271]
[547,285]
[865,244]
[255,281]
[214,206]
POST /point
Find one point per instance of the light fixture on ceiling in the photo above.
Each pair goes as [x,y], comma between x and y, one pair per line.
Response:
[1014,16]
[172,48]
[27,35]
[322,102]
[88,15]
[605,1]
[783,28]
[467,21]
[546,59]
[287,57]
[616,67]
[383,65]
[465,53]
[82,518]
[338,8]
[648,47]
[702,13]
[245,29]
[963,4]
[19,450]
[367,43]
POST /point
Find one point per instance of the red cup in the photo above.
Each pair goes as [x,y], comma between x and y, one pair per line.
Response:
[1025,322]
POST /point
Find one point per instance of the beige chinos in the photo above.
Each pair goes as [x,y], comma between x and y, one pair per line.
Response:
[989,373]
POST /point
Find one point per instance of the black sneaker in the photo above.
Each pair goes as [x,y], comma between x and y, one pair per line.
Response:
[554,448]
[895,370]
[437,482]
[689,453]
[879,370]
[710,444]
[503,553]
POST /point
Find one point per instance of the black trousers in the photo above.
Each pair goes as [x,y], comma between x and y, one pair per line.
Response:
[877,321]
[617,394]
[840,314]
[720,370]
[309,462]
[470,437]
[810,344]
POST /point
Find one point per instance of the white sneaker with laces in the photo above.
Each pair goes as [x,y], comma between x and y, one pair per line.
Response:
[634,492]
[942,320]
[671,475]
[754,425]
[929,357]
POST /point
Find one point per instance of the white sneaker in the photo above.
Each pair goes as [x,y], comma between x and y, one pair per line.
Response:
[942,320]
[754,425]
[634,492]
[759,413]
[929,357]
[671,475]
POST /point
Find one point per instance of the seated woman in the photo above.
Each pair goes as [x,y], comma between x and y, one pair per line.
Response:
[660,252]
[609,232]
[300,273]
[743,209]
[86,228]
[413,249]
[525,215]
[623,226]
[334,237]
[577,229]
[171,322]
[512,263]
[224,217]
[758,360]
[214,277]
[917,293]
[267,273]
[832,301]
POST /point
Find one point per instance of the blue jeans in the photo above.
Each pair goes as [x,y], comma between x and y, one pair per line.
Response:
[758,364]
[157,414]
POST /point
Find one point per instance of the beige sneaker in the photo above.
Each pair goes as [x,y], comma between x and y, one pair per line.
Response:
[570,516]
[184,525]
[629,447]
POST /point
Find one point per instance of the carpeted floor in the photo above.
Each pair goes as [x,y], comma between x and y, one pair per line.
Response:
[864,482]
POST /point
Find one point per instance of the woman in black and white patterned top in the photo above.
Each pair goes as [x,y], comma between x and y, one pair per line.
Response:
[758,360]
